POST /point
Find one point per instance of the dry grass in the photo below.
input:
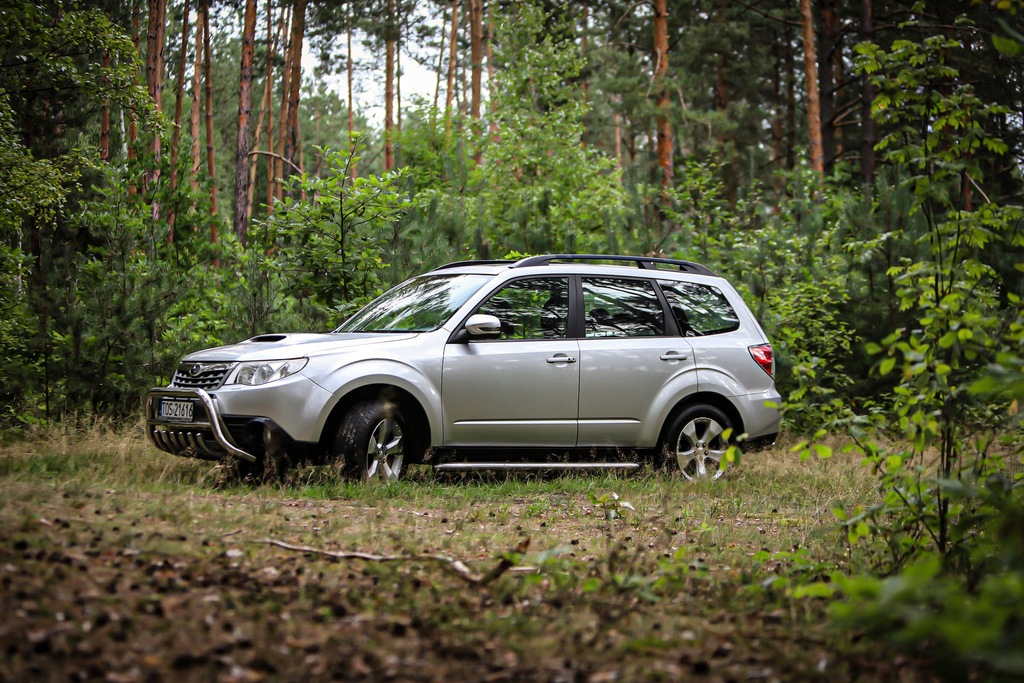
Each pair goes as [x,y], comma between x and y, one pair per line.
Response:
[666,587]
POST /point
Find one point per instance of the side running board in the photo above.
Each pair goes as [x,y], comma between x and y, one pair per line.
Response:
[465,466]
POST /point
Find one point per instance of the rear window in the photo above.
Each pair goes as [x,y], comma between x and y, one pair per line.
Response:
[699,309]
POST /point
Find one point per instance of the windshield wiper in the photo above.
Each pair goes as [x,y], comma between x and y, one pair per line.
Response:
[385,331]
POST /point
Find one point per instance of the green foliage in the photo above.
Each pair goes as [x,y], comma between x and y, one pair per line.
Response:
[47,49]
[61,357]
[541,189]
[330,233]
[611,504]
[18,366]
[930,613]
[948,519]
[32,187]
[792,276]
[950,295]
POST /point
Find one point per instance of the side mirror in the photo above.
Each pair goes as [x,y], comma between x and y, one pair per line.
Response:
[480,326]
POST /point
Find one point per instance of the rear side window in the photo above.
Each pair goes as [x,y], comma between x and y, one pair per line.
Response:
[699,309]
[615,307]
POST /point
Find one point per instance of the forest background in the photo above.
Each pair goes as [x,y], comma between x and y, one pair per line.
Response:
[178,175]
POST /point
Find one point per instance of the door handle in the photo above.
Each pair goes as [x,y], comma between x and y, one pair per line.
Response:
[674,355]
[562,359]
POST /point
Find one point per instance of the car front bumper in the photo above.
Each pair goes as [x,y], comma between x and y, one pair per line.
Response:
[205,436]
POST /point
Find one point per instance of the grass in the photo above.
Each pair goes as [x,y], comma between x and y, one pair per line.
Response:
[121,559]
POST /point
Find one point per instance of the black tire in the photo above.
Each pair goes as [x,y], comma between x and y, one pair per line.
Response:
[371,441]
[694,445]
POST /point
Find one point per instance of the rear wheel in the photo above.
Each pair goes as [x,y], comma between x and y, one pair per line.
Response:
[695,443]
[371,441]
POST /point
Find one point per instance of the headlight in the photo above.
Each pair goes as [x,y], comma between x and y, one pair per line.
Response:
[261,372]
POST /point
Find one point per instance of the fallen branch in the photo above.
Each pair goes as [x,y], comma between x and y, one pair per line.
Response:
[456,567]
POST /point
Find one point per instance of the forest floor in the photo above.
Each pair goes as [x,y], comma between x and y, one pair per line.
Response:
[118,563]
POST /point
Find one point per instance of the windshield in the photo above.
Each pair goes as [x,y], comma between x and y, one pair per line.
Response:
[418,305]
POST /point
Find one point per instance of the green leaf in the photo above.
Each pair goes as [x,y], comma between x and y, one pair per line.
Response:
[818,589]
[1006,46]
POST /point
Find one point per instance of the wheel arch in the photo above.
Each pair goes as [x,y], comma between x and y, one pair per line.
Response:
[703,398]
[412,410]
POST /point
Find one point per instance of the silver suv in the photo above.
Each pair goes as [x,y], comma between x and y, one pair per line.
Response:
[552,361]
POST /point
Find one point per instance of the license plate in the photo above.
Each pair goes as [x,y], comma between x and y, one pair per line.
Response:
[179,411]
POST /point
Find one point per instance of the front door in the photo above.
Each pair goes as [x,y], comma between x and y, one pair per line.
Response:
[521,389]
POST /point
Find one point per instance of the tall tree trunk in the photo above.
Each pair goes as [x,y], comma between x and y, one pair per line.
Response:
[664,106]
[779,150]
[155,33]
[476,55]
[867,124]
[814,147]
[398,77]
[244,114]
[721,82]
[282,112]
[839,86]
[584,46]
[790,128]
[349,72]
[617,127]
[291,142]
[105,113]
[462,90]
[441,47]
[211,166]
[133,129]
[265,105]
[490,77]
[197,82]
[317,140]
[723,99]
[827,84]
[389,88]
[274,143]
[453,40]
[349,69]
[179,94]
[155,50]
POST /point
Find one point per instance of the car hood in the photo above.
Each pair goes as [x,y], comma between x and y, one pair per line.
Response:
[284,346]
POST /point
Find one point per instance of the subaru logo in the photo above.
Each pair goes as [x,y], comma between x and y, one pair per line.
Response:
[195,369]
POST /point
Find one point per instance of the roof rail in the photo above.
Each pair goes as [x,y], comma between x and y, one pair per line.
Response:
[481,262]
[647,262]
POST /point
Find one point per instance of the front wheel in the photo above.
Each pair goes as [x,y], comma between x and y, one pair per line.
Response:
[370,443]
[696,444]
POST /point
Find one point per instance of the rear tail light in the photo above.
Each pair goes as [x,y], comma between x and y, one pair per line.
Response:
[762,353]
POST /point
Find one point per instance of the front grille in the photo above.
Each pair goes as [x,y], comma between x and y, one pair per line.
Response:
[197,375]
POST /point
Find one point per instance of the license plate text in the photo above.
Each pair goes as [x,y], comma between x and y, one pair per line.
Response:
[176,410]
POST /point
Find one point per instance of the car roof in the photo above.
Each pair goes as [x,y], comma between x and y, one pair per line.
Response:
[580,263]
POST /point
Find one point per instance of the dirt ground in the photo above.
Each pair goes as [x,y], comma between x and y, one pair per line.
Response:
[100,586]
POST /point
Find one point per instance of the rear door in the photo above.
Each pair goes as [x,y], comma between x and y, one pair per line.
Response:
[627,361]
